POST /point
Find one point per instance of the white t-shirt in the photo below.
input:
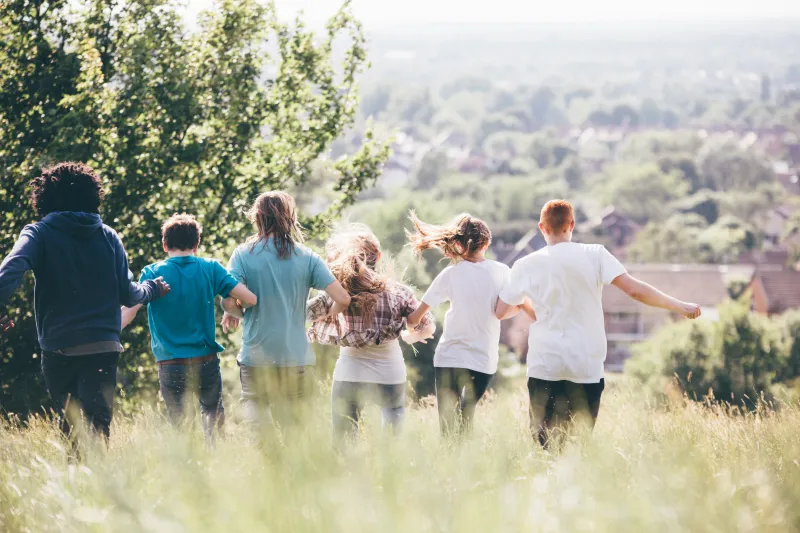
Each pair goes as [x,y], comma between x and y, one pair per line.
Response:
[471,333]
[565,284]
[377,363]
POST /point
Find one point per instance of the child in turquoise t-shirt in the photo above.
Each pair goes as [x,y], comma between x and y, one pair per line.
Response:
[275,361]
[183,327]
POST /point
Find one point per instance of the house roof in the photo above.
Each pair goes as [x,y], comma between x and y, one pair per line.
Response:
[529,243]
[701,284]
[782,289]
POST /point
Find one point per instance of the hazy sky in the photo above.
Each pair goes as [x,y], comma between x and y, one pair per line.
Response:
[386,12]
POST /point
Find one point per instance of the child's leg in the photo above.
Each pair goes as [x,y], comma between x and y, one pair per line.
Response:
[254,399]
[345,409]
[541,395]
[61,379]
[173,382]
[448,400]
[96,384]
[471,394]
[210,396]
[393,405]
[584,401]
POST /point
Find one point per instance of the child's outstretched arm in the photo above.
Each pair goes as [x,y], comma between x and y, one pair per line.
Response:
[649,295]
[128,314]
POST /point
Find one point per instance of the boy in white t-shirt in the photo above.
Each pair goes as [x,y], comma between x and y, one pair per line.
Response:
[567,343]
[466,357]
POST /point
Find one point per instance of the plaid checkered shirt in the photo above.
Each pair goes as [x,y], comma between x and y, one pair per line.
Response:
[347,329]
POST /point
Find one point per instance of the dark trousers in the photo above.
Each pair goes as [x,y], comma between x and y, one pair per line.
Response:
[554,404]
[458,391]
[179,383]
[82,384]
[348,399]
[275,393]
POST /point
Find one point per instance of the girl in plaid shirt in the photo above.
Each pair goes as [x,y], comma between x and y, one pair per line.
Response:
[370,366]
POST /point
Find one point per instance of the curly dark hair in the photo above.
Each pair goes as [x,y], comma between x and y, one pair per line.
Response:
[67,186]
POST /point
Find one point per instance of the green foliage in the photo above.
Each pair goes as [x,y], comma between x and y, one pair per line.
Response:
[688,238]
[173,121]
[737,358]
[641,192]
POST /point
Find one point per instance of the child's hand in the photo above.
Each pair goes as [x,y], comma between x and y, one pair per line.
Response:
[690,311]
[413,337]
[163,287]
[5,324]
[229,322]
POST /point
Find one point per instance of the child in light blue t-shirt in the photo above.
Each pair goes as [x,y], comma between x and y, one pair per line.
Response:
[276,361]
[183,326]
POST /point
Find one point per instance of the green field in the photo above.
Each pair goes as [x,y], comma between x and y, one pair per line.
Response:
[683,467]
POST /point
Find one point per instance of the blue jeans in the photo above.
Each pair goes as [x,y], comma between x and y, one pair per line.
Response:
[348,399]
[275,394]
[177,382]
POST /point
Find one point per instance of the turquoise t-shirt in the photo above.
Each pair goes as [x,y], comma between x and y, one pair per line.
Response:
[182,323]
[275,330]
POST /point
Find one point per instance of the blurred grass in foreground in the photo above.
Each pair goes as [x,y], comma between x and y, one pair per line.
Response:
[683,467]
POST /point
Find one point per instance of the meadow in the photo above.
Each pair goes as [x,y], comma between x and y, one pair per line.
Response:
[681,466]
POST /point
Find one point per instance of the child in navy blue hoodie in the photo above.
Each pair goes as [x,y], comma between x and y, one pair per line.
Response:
[81,280]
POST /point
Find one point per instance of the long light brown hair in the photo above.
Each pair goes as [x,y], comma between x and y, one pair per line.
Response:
[459,239]
[274,214]
[353,253]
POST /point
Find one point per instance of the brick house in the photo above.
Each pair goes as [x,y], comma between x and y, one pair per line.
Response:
[775,291]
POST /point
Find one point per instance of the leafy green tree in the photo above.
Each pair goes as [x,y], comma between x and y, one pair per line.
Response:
[430,169]
[726,167]
[173,121]
[640,191]
[674,240]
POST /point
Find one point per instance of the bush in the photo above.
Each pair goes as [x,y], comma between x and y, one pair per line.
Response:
[735,359]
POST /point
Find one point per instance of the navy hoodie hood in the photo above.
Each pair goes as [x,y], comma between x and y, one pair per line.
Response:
[82,279]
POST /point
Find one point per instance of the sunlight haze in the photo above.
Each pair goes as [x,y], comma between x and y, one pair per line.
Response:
[381,13]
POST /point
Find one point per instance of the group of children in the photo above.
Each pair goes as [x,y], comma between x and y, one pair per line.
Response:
[85,295]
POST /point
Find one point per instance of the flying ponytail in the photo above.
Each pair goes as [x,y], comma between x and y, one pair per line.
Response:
[461,238]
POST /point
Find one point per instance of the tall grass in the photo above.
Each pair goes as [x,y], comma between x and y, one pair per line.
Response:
[684,467]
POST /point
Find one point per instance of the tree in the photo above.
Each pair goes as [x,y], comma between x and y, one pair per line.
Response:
[430,169]
[173,122]
[724,167]
[640,191]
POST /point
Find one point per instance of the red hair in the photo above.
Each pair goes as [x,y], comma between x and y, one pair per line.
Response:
[556,216]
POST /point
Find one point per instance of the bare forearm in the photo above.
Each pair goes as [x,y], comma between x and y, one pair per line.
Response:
[503,310]
[128,314]
[230,306]
[649,295]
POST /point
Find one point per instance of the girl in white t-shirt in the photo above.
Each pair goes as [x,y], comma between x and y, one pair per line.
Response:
[466,357]
[370,366]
